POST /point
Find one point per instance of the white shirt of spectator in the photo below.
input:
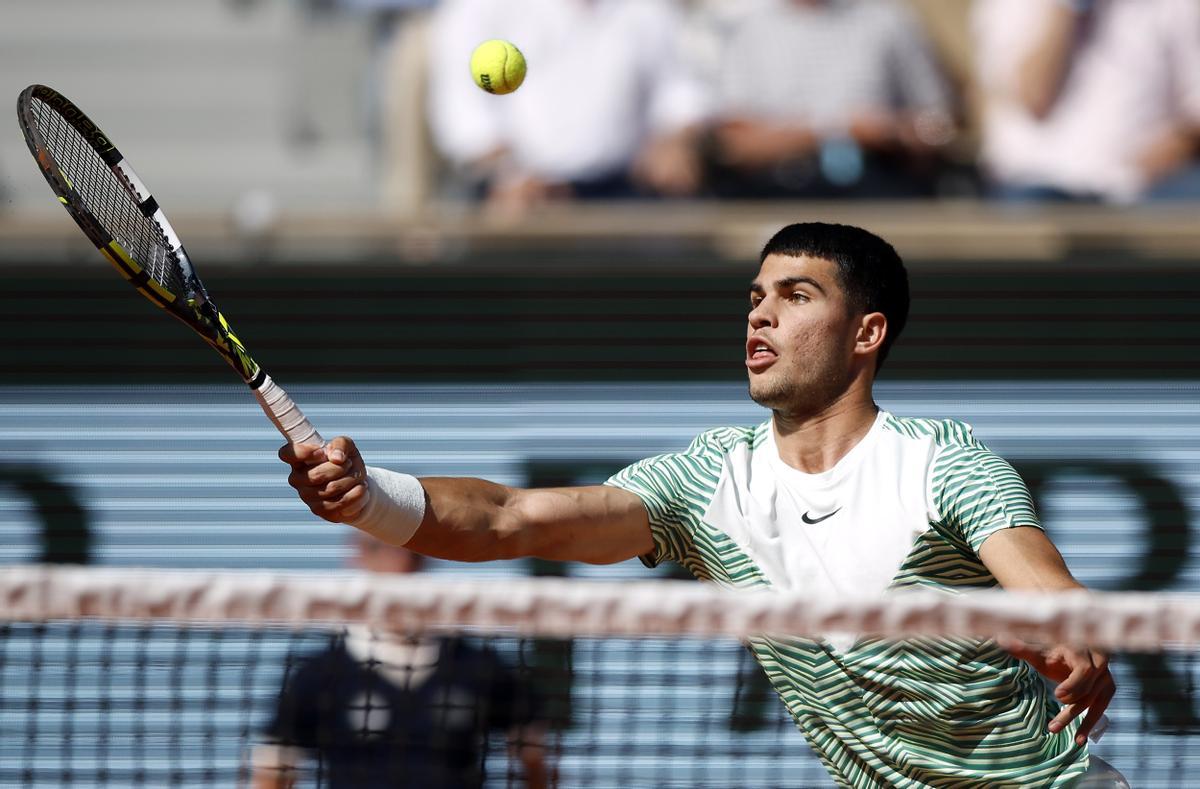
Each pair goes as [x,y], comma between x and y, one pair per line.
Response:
[824,65]
[403,662]
[603,76]
[1135,74]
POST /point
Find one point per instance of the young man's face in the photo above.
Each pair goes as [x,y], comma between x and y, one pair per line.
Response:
[800,335]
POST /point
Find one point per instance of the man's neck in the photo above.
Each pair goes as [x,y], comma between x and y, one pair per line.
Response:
[815,443]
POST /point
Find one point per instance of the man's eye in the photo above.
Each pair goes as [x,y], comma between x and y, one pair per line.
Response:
[798,297]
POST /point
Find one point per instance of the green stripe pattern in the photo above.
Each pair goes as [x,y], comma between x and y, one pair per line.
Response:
[906,713]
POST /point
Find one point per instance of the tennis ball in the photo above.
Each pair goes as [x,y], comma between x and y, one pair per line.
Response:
[498,66]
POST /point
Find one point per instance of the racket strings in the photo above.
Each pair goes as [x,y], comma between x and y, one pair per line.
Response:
[108,197]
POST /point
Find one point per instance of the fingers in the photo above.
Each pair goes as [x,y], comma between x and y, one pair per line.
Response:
[293,454]
[335,489]
[327,481]
[340,510]
[336,451]
[323,474]
[341,449]
[1089,686]
[1096,708]
[353,503]
[1078,684]
[1043,661]
[1064,716]
[1095,704]
[331,479]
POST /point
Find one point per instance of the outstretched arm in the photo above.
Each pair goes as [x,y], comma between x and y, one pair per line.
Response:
[1025,559]
[1042,72]
[475,520]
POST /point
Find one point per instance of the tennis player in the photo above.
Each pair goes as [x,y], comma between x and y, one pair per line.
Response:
[831,495]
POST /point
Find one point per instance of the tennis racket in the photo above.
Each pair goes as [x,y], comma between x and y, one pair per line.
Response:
[113,208]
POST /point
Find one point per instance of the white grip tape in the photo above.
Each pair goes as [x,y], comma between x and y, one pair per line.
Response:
[284,414]
[395,506]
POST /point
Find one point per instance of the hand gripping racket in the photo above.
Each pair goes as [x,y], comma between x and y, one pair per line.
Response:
[114,209]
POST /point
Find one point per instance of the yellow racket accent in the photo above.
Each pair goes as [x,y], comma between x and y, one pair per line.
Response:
[162,292]
[118,263]
[239,356]
[120,258]
[129,268]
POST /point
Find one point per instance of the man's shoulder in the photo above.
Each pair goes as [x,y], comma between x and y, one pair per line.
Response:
[331,653]
[726,438]
[943,433]
[699,464]
[460,650]
[720,440]
[313,669]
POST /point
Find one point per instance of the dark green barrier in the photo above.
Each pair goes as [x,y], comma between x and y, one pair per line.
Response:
[587,322]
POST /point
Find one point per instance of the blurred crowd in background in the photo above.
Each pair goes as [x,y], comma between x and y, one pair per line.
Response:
[1063,100]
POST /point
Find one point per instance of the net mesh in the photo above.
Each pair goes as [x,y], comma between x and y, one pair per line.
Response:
[121,678]
[107,196]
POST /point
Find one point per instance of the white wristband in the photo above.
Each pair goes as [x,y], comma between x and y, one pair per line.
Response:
[395,506]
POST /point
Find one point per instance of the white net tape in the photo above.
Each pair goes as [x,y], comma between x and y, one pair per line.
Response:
[563,608]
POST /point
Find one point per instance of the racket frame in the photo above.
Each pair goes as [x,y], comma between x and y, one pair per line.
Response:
[193,306]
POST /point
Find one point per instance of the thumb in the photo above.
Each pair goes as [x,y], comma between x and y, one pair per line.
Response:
[306,454]
[338,449]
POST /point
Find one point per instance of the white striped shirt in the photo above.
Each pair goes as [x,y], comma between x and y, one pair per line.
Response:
[910,505]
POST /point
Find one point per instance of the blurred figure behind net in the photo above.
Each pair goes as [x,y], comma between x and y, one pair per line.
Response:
[828,99]
[1095,100]
[609,109]
[379,710]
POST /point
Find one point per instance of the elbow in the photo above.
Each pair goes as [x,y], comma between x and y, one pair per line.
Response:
[1036,99]
[488,546]
[505,536]
[1038,108]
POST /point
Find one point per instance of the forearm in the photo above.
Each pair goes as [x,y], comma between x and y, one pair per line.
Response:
[1024,559]
[266,778]
[527,745]
[467,520]
[275,766]
[475,520]
[1041,73]
[1170,152]
[536,774]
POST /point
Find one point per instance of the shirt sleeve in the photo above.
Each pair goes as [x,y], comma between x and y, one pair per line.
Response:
[977,493]
[671,487]
[294,720]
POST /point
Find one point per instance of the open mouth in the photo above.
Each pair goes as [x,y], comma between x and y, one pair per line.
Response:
[759,355]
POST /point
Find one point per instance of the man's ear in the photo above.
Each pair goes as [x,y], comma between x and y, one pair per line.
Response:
[872,331]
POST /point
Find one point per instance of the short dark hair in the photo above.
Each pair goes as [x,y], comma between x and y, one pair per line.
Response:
[869,269]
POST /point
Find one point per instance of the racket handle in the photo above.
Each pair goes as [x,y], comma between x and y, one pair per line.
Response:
[284,414]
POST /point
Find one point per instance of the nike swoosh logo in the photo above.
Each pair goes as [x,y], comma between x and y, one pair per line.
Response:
[807,519]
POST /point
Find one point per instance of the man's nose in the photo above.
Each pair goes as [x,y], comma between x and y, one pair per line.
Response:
[760,315]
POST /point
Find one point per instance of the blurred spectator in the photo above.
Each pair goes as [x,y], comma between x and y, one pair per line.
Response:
[1090,100]
[377,710]
[608,109]
[828,98]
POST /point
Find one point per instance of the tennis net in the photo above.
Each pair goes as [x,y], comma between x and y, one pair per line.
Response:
[117,677]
